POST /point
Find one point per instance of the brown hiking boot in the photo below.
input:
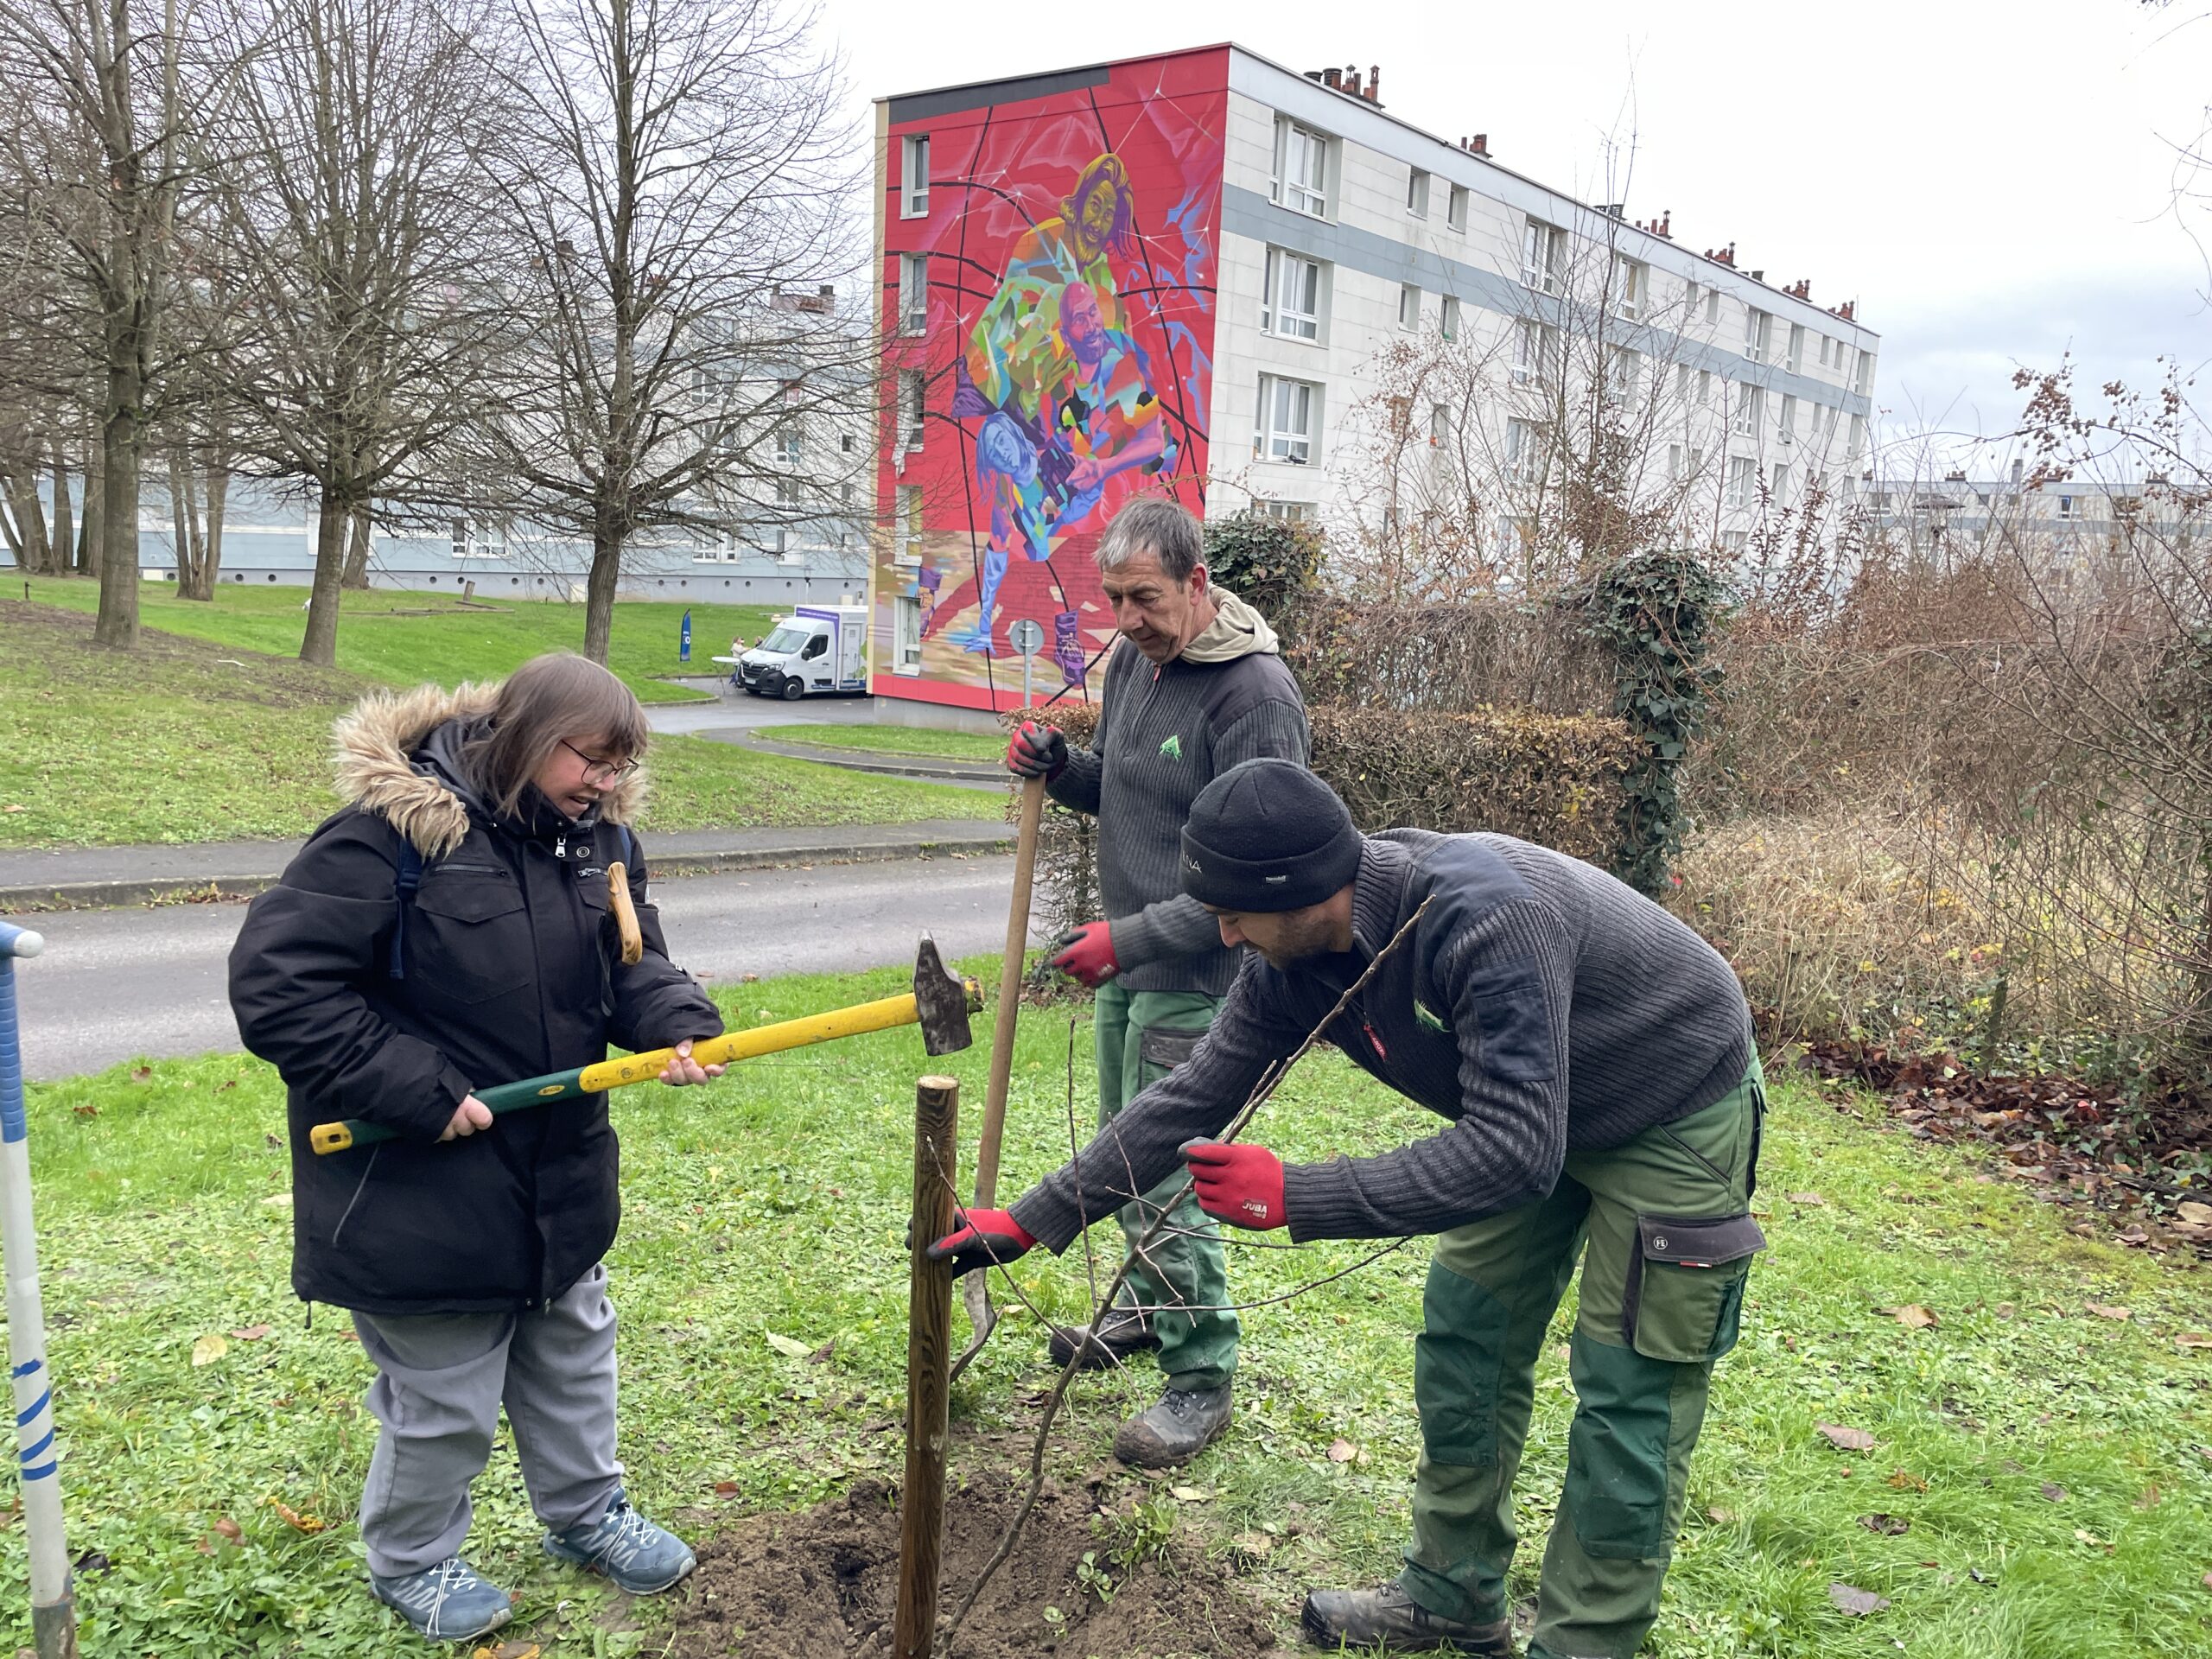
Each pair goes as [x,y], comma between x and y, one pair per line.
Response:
[1120,1337]
[1182,1424]
[1362,1618]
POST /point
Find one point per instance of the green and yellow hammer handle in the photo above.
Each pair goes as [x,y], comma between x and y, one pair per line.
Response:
[638,1068]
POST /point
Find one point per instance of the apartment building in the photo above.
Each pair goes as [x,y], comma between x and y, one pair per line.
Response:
[1204,274]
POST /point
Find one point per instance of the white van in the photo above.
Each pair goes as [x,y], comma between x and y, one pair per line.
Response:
[816,650]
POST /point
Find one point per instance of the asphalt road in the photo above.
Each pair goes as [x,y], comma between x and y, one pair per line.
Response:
[124,984]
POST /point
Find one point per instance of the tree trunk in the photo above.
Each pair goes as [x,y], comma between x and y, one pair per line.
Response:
[184,523]
[28,538]
[89,533]
[356,575]
[218,490]
[599,590]
[117,625]
[63,542]
[320,644]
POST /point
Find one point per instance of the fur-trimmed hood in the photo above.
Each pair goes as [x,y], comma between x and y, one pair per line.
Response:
[375,772]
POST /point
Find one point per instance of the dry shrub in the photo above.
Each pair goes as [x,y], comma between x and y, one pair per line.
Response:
[1542,778]
[1446,657]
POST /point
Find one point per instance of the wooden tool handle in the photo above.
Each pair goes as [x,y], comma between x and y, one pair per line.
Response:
[626,914]
[1017,943]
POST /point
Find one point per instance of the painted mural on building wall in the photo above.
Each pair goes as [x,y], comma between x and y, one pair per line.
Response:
[1064,365]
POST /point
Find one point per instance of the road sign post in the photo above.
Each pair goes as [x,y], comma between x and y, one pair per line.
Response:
[1026,637]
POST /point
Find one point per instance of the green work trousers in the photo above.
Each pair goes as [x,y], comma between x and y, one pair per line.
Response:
[1142,1036]
[1664,1228]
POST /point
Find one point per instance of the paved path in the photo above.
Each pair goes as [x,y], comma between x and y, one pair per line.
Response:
[119,984]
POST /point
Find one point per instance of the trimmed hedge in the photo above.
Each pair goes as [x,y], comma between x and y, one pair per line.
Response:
[1553,779]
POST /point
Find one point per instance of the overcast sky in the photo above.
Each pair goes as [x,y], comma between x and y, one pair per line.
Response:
[1990,182]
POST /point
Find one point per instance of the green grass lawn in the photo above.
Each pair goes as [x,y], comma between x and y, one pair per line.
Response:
[181,741]
[404,639]
[2049,1464]
[892,740]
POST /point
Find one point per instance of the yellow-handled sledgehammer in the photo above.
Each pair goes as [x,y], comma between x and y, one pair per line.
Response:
[939,1003]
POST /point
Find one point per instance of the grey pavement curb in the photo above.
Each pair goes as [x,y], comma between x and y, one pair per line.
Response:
[100,895]
[973,772]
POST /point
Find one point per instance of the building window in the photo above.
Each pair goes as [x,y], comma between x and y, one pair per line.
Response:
[1689,302]
[1291,512]
[1865,378]
[2069,507]
[1757,324]
[1713,305]
[787,491]
[1797,356]
[1779,481]
[907,635]
[1704,387]
[1750,406]
[1417,193]
[1290,421]
[913,293]
[909,525]
[914,176]
[1631,281]
[478,538]
[1786,418]
[1292,304]
[1673,462]
[911,407]
[1440,425]
[1448,320]
[1627,372]
[1735,540]
[1742,472]
[1455,207]
[1528,352]
[845,443]
[1520,451]
[1858,440]
[786,446]
[1409,305]
[1543,257]
[1301,180]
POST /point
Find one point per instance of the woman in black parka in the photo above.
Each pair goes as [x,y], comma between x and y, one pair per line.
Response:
[448,930]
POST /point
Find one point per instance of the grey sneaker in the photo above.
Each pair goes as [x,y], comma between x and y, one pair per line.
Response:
[1182,1424]
[1362,1618]
[446,1603]
[1121,1336]
[639,1556]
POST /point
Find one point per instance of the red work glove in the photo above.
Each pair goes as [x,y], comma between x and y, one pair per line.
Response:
[1036,751]
[1087,953]
[984,1237]
[1240,1185]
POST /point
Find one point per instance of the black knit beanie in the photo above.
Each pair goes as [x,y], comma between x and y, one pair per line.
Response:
[1267,836]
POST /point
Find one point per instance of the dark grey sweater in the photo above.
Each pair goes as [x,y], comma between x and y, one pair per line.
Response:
[1540,1005]
[1165,733]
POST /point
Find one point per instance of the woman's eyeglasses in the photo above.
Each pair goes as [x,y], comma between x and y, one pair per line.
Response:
[600,771]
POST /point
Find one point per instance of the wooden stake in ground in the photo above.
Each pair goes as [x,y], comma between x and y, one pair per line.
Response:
[975,1289]
[929,1387]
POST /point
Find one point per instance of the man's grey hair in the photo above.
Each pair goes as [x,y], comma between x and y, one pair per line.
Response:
[1152,524]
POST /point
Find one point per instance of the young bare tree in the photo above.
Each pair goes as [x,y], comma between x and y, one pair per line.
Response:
[358,245]
[681,185]
[95,100]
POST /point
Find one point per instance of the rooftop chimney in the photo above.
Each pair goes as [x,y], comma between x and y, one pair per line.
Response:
[1954,477]
[1333,78]
[1480,143]
[1375,83]
[1352,78]
[2016,472]
[1758,276]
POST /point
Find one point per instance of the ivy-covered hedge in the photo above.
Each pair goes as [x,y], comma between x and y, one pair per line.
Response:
[1555,780]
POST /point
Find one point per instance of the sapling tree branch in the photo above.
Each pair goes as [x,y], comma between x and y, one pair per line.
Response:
[1261,1094]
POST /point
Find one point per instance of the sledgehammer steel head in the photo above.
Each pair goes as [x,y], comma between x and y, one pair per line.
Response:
[943,1002]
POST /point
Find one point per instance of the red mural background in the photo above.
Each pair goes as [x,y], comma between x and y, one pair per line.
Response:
[1062,361]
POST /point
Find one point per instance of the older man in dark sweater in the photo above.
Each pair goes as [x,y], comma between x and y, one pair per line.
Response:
[1594,1058]
[1195,687]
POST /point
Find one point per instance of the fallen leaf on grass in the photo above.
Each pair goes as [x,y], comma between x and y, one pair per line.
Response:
[2150,1497]
[2196,1214]
[1720,1517]
[1905,1481]
[207,1349]
[1813,1198]
[1342,1451]
[1847,1439]
[14,806]
[509,1651]
[1856,1602]
[279,1200]
[1191,1494]
[1253,1548]
[230,1529]
[2193,1339]
[250,1333]
[824,1354]
[2103,1312]
[725,1489]
[2054,1491]
[1912,1316]
[2208,1581]
[140,1073]
[1889,1526]
[294,1519]
[86,1111]
[789,1345]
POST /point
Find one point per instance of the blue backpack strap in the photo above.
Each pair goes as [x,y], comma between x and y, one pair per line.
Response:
[406,879]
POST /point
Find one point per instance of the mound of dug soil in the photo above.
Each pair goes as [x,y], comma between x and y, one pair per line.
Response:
[821,1584]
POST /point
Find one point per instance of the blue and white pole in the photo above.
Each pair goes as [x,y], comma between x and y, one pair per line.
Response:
[53,1612]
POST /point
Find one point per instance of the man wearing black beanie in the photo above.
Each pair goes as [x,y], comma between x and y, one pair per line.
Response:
[1593,1057]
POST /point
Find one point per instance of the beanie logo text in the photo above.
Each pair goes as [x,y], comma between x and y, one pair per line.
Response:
[1173,749]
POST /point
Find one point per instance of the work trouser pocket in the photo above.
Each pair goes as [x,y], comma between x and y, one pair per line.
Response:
[1684,1296]
[1161,1049]
[1457,1360]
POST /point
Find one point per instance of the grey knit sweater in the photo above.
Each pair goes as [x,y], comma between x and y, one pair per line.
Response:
[1540,1005]
[1167,731]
